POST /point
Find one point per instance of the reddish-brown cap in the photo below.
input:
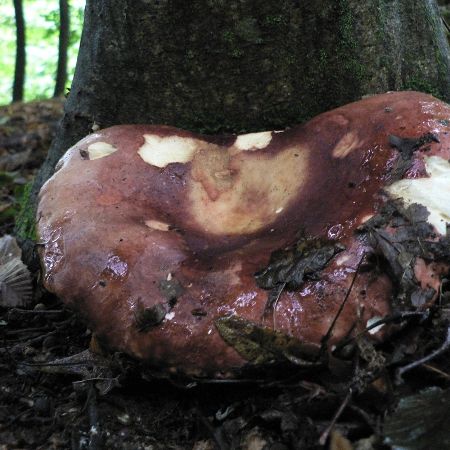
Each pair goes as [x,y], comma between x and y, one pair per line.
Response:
[155,234]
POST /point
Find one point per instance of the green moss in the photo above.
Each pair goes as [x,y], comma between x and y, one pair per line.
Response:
[237,53]
[26,221]
[348,47]
[228,36]
[248,30]
[442,72]
[417,83]
[346,25]
[275,20]
[347,53]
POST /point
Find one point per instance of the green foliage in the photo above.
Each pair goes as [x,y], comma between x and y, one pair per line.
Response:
[42,31]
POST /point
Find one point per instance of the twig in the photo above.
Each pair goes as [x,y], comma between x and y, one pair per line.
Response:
[324,436]
[95,441]
[57,364]
[36,311]
[218,440]
[272,301]
[393,318]
[446,25]
[27,330]
[326,338]
[437,371]
[364,415]
[442,349]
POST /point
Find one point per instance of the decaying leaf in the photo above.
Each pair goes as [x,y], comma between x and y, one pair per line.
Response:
[15,278]
[401,234]
[292,266]
[261,345]
[420,422]
[86,364]
[289,268]
[406,147]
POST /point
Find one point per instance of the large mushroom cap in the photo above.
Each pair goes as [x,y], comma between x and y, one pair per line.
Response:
[155,234]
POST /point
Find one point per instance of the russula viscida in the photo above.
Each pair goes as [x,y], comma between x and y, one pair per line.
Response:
[185,250]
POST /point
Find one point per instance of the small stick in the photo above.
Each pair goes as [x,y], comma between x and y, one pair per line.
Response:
[324,436]
[442,349]
[326,338]
[95,441]
[218,440]
[27,330]
[272,301]
[37,311]
[437,371]
[396,317]
[447,27]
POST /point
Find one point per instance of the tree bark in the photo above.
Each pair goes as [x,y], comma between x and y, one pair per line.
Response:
[243,65]
[64,33]
[19,71]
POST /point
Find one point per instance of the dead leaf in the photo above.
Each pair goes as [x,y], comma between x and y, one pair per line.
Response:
[339,442]
[420,421]
[261,345]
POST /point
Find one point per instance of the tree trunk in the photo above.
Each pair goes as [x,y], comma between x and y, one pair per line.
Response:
[19,71]
[233,66]
[64,32]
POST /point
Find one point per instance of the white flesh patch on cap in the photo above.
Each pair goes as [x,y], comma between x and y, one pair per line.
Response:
[100,150]
[160,151]
[253,141]
[346,145]
[157,225]
[432,192]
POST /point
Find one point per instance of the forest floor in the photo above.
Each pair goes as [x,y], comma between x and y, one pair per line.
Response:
[55,393]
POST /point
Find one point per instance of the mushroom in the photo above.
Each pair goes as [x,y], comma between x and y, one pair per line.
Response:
[205,255]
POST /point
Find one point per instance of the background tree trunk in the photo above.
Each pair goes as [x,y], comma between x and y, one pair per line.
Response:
[19,71]
[64,33]
[242,65]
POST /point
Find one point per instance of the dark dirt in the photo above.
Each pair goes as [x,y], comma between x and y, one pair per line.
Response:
[53,400]
[60,390]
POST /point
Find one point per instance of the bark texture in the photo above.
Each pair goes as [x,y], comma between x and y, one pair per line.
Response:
[19,70]
[64,33]
[243,65]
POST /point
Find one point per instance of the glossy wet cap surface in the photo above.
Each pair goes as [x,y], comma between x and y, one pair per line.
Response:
[155,234]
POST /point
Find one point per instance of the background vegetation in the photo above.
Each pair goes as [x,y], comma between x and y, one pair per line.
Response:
[42,31]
